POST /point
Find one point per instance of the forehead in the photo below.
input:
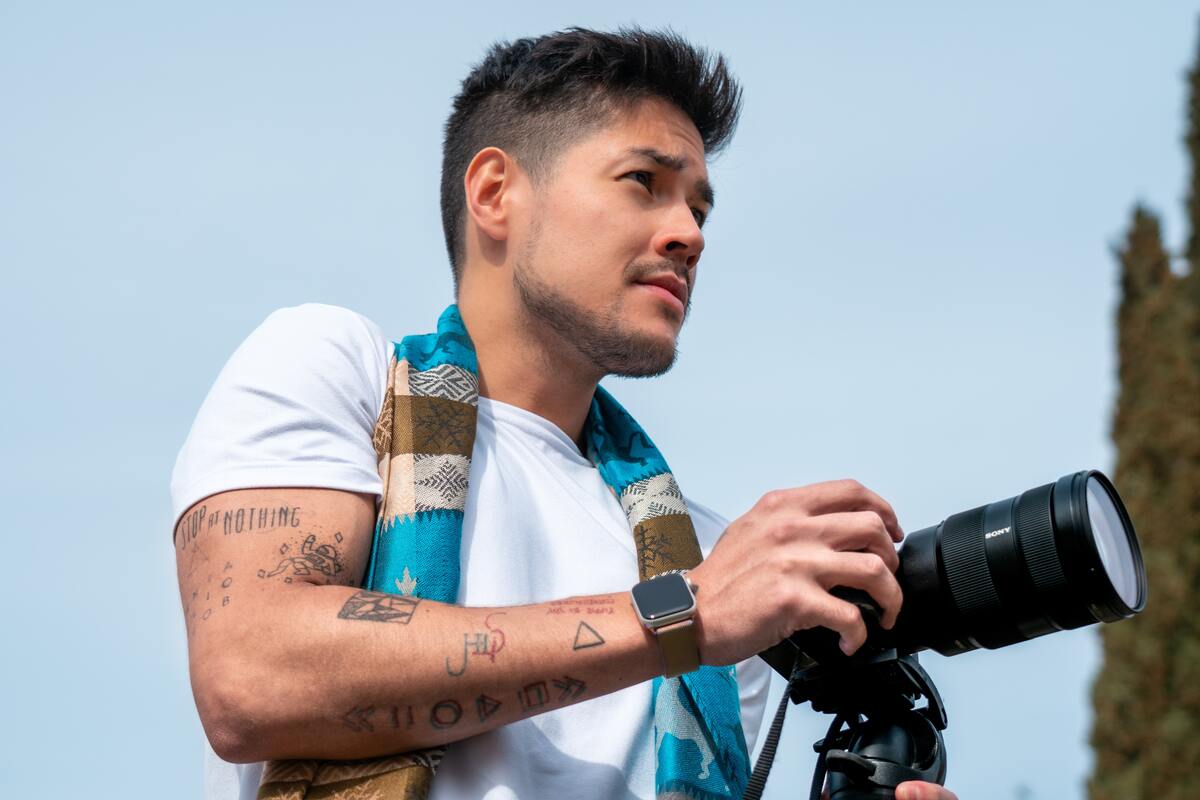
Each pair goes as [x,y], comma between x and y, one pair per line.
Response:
[650,124]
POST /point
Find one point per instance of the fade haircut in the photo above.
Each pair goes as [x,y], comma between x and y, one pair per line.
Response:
[534,97]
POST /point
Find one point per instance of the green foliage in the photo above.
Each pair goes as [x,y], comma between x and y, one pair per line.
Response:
[1146,730]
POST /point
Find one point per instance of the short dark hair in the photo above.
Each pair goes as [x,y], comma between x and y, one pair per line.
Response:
[535,96]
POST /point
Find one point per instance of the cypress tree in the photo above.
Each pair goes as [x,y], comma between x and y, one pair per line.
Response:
[1146,730]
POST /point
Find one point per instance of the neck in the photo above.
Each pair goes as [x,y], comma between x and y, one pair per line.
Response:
[526,366]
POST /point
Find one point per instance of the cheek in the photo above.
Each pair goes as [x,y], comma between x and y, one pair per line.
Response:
[594,227]
[588,246]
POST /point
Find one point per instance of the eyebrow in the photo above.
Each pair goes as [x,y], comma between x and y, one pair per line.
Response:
[676,163]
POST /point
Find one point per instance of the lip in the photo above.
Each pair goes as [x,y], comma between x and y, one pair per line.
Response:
[672,286]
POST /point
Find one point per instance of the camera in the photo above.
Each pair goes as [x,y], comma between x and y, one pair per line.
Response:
[1056,557]
[1053,558]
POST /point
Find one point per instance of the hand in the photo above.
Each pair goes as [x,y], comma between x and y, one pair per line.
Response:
[770,574]
[914,790]
[919,790]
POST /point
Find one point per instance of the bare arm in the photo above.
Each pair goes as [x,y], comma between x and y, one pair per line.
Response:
[289,659]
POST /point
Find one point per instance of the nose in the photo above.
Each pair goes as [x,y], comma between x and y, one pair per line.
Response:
[679,238]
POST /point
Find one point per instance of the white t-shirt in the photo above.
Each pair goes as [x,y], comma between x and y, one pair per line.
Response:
[296,406]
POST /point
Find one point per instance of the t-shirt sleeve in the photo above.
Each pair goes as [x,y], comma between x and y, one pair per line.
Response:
[753,674]
[295,405]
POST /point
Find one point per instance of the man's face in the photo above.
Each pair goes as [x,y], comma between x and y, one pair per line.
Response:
[620,213]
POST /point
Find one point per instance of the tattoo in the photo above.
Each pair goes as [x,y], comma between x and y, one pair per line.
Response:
[358,719]
[533,696]
[259,519]
[323,559]
[237,520]
[201,602]
[207,584]
[486,706]
[379,607]
[448,713]
[586,636]
[445,714]
[396,717]
[480,644]
[568,688]
[582,605]
[192,525]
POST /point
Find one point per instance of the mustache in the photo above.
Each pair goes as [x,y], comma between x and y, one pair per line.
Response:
[640,271]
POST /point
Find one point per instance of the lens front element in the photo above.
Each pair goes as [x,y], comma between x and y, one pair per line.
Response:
[1113,543]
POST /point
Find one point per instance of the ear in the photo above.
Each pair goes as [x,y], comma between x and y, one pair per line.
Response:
[490,186]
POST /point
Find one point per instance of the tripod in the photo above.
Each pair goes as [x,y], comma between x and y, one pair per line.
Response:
[887,739]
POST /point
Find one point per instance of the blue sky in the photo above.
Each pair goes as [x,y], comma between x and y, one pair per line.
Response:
[908,281]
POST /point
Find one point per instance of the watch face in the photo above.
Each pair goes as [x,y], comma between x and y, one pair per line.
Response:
[663,596]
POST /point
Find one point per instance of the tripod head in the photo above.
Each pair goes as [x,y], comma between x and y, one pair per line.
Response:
[887,739]
[874,693]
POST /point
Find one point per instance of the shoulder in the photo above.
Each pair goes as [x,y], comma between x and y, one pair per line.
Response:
[308,348]
[295,405]
[334,317]
[317,323]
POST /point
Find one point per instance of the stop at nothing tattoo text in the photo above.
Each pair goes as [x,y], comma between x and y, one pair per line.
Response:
[237,520]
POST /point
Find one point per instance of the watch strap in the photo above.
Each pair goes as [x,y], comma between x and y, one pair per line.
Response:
[677,643]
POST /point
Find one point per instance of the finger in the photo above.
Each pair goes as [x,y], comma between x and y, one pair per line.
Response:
[920,790]
[847,495]
[864,571]
[859,530]
[821,609]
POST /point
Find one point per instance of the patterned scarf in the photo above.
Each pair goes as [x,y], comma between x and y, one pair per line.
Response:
[423,441]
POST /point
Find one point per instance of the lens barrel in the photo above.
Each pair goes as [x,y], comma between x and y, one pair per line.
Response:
[1056,557]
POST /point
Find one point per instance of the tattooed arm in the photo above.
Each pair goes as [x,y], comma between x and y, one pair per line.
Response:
[289,659]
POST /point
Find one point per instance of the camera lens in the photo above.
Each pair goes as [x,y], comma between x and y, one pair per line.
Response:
[1053,558]
[1056,557]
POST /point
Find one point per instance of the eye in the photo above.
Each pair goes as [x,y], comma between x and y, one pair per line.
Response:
[641,173]
[699,217]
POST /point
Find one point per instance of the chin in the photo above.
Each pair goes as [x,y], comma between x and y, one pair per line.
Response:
[642,354]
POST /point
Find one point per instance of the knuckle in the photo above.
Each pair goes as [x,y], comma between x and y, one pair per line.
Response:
[800,570]
[772,500]
[850,485]
[850,616]
[794,607]
[808,529]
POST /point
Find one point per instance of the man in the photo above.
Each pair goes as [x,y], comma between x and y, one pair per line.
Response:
[574,192]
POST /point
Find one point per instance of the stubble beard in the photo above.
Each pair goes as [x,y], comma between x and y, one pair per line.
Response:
[596,336]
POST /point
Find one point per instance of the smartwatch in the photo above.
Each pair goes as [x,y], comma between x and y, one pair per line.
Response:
[666,604]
